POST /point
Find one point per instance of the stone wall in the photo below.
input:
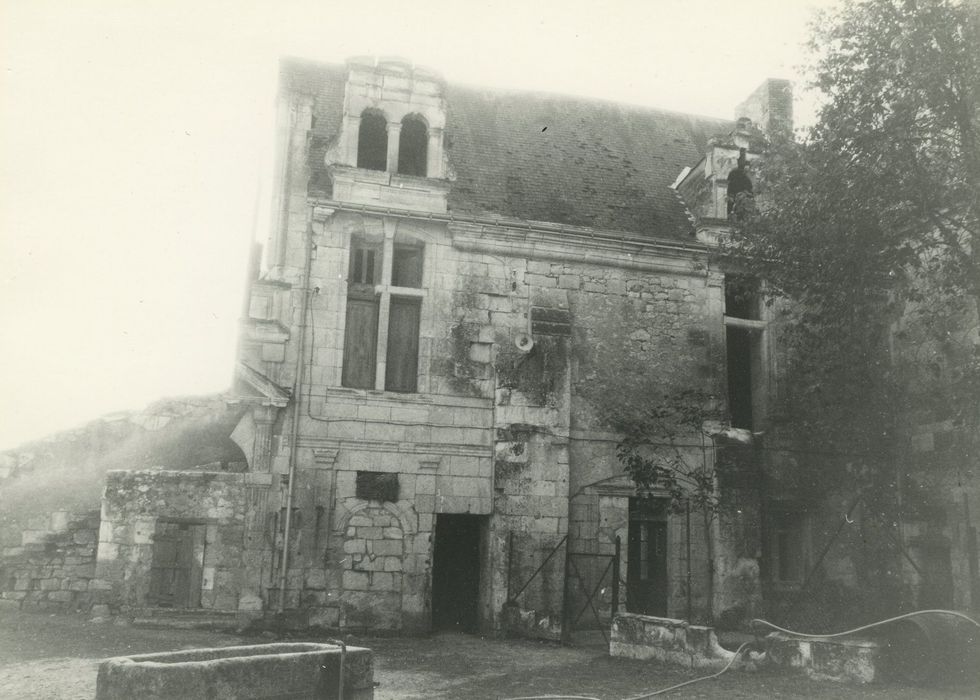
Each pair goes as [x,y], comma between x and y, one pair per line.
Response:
[494,429]
[54,566]
[134,505]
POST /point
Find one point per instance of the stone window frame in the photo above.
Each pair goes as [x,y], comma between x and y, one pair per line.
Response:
[384,293]
[395,113]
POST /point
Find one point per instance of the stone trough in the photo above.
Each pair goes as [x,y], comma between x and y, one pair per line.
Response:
[255,672]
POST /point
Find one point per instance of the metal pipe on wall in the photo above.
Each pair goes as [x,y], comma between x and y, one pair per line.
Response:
[297,389]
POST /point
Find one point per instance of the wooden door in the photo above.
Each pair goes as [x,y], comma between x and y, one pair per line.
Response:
[175,575]
[646,558]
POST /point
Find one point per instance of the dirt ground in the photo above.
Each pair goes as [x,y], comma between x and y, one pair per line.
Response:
[48,657]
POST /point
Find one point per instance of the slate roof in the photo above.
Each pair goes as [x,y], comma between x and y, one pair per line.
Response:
[543,157]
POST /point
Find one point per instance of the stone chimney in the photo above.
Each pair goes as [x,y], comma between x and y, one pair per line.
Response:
[770,107]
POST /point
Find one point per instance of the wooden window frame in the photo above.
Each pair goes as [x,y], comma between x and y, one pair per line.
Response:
[382,294]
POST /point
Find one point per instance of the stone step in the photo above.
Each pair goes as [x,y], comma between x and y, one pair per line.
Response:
[183,618]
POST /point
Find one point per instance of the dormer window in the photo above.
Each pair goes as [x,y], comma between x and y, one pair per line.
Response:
[372,141]
[413,147]
[739,182]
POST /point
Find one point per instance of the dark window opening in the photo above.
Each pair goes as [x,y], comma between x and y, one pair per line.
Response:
[742,297]
[787,545]
[739,182]
[377,486]
[402,359]
[362,266]
[413,147]
[739,355]
[406,267]
[372,141]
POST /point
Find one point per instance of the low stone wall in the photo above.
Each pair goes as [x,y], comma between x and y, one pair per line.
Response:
[843,659]
[54,566]
[665,639]
[266,671]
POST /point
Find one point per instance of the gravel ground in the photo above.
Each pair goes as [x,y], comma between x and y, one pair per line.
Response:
[46,657]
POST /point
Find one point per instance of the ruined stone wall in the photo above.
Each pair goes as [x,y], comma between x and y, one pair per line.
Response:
[54,566]
[136,502]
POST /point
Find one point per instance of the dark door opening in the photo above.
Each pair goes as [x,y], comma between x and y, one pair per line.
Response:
[175,575]
[646,557]
[456,573]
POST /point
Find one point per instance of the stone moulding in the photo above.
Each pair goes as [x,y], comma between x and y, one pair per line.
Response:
[241,672]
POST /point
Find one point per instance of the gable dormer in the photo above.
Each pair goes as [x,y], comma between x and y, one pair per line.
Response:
[709,188]
[390,149]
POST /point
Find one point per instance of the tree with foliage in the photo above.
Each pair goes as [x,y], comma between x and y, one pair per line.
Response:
[868,225]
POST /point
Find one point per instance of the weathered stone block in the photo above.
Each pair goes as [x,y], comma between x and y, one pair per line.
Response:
[355,546]
[355,580]
[534,280]
[665,639]
[382,581]
[386,547]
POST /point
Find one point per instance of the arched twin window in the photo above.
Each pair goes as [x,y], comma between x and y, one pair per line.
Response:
[372,144]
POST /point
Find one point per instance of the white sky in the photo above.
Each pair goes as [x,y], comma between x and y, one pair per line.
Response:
[136,136]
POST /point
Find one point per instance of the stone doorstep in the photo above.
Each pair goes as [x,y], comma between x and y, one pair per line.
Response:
[185,618]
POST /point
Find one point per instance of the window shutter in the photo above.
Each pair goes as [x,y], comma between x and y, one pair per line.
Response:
[360,343]
[403,345]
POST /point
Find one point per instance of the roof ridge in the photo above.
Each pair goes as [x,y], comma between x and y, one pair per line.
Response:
[588,98]
[309,63]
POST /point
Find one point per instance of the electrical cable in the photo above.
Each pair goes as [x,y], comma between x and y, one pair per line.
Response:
[693,680]
[644,695]
[555,697]
[801,635]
